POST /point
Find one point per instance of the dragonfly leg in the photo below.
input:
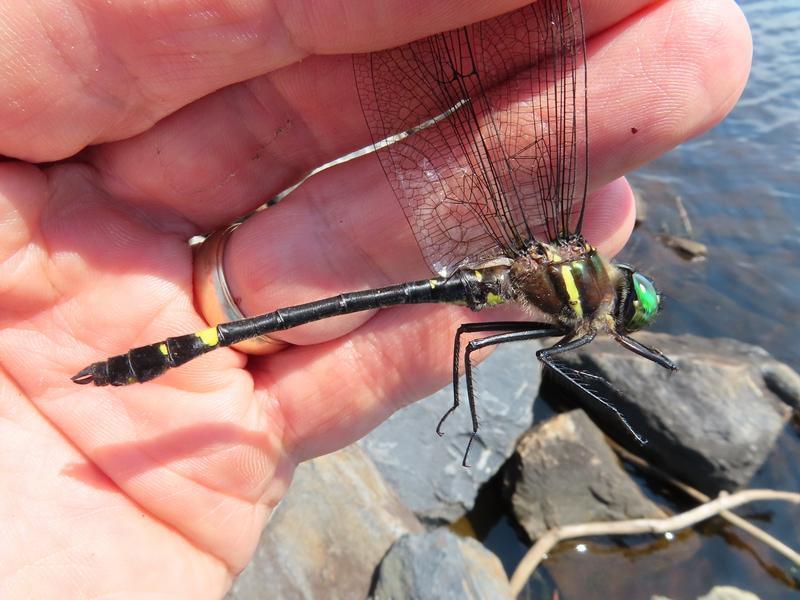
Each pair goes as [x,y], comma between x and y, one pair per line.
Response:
[566,344]
[522,332]
[479,328]
[649,353]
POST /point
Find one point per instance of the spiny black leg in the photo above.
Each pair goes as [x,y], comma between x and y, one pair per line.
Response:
[565,345]
[649,353]
[474,328]
[456,352]
[540,330]
[473,413]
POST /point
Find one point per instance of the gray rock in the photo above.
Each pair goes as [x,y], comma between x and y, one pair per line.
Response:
[711,424]
[329,533]
[566,473]
[425,469]
[440,565]
[727,592]
[784,382]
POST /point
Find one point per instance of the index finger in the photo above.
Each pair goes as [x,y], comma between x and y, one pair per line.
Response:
[222,156]
[81,73]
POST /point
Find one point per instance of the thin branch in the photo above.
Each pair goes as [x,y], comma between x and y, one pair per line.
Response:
[732,518]
[687,224]
[635,526]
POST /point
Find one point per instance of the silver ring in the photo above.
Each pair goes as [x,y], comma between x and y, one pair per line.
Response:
[213,295]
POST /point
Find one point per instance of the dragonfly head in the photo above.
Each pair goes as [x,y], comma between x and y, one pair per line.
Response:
[638,300]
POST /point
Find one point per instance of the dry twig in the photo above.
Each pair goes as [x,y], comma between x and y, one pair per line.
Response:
[732,518]
[634,526]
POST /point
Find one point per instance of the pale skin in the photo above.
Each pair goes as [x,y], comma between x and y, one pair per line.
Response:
[165,487]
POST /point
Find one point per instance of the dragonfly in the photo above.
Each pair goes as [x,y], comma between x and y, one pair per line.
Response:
[482,134]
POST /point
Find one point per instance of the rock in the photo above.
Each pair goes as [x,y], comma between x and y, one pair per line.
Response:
[686,248]
[784,382]
[440,565]
[711,424]
[727,592]
[426,470]
[564,473]
[328,534]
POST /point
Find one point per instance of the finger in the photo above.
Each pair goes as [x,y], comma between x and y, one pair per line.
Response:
[112,69]
[229,152]
[691,63]
[314,244]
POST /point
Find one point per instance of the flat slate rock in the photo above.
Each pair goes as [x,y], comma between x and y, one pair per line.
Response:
[565,473]
[328,534]
[426,470]
[440,565]
[711,424]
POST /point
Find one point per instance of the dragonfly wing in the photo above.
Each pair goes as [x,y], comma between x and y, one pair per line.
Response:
[488,124]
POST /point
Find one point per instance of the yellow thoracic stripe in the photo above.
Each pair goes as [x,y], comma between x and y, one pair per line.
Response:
[208,336]
[573,295]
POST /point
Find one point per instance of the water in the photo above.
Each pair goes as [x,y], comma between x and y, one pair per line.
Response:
[740,184]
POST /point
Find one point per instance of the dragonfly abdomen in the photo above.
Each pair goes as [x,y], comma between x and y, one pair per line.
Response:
[471,288]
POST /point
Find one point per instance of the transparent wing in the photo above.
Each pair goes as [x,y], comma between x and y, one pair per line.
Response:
[488,119]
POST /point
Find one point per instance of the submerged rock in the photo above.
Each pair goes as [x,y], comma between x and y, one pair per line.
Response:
[565,473]
[440,565]
[711,424]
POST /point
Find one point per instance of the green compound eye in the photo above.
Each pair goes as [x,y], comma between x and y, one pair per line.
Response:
[645,306]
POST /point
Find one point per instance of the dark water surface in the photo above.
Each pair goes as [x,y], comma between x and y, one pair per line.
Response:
[740,184]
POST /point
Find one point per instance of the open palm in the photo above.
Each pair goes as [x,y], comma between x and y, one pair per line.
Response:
[158,121]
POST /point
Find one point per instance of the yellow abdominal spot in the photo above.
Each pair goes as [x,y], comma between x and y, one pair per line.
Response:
[162,347]
[208,336]
[573,294]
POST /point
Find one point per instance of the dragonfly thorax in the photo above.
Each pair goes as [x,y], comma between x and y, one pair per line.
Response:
[568,281]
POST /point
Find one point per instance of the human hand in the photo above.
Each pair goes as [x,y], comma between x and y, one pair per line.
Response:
[165,487]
